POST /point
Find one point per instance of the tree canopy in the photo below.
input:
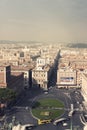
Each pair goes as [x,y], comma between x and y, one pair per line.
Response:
[7,94]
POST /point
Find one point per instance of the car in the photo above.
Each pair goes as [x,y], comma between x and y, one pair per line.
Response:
[50,87]
[64,124]
[26,108]
[29,127]
[77,102]
[76,92]
[46,92]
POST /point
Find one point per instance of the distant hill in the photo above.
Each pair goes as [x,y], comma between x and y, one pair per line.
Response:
[14,42]
[77,45]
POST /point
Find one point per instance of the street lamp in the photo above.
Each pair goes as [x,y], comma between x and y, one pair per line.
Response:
[71,124]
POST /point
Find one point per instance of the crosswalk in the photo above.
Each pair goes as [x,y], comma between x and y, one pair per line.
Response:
[21,107]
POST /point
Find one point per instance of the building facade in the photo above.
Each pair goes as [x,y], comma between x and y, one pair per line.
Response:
[26,74]
[84,86]
[66,78]
[5,74]
[41,76]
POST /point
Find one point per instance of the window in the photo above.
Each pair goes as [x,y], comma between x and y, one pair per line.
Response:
[25,80]
[1,70]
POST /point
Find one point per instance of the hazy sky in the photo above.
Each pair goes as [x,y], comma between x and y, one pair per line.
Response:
[44,20]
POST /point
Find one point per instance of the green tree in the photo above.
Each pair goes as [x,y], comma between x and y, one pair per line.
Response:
[7,95]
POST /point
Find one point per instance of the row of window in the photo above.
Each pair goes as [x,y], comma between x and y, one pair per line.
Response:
[39,75]
[41,81]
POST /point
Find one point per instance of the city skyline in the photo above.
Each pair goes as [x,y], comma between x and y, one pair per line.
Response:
[43,20]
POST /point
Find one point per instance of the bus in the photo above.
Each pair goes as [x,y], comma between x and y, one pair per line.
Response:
[59,120]
[43,121]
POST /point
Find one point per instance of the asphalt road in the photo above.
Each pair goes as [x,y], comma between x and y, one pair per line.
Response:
[22,113]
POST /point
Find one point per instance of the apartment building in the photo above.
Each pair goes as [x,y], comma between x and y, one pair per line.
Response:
[84,89]
[66,78]
[41,76]
[40,62]
[26,74]
[74,59]
[42,73]
[14,81]
[5,74]
[84,86]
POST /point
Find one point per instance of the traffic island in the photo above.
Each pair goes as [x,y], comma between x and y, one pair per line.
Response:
[48,108]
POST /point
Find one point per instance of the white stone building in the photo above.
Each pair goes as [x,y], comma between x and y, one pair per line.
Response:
[66,77]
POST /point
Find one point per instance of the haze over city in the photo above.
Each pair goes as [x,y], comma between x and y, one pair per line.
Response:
[43,20]
[43,65]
